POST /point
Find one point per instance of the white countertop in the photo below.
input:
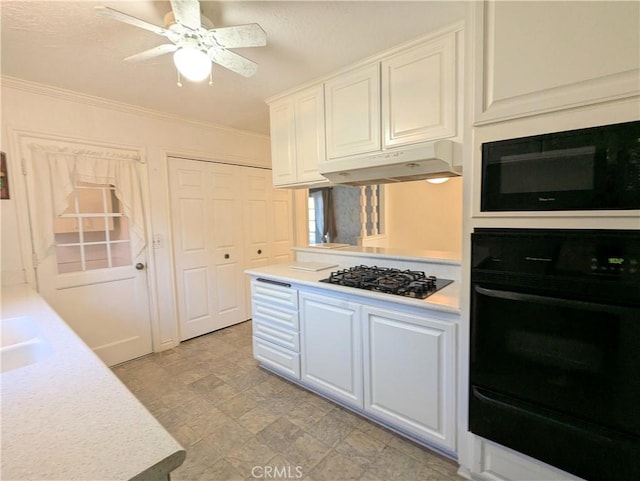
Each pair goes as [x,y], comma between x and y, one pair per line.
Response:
[445,300]
[68,417]
[434,257]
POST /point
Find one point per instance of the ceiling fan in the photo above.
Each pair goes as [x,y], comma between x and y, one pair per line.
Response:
[195,43]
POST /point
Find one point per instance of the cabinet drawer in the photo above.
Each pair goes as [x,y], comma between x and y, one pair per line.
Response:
[274,294]
[283,337]
[284,318]
[276,357]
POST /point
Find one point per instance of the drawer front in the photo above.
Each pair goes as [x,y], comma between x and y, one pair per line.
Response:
[276,357]
[274,294]
[283,337]
[284,318]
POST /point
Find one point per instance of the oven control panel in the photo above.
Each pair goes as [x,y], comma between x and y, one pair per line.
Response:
[615,265]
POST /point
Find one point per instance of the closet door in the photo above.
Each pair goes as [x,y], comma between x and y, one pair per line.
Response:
[207,228]
[268,223]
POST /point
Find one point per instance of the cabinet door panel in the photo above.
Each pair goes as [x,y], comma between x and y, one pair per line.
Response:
[310,146]
[283,138]
[277,357]
[352,104]
[409,373]
[418,95]
[331,347]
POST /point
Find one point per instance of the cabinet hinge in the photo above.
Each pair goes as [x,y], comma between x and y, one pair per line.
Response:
[24,167]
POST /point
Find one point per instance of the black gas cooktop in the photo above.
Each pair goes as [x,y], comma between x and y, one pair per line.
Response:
[388,280]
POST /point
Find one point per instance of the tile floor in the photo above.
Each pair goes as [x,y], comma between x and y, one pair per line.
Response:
[240,422]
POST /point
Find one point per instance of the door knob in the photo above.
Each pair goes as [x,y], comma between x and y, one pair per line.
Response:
[139,266]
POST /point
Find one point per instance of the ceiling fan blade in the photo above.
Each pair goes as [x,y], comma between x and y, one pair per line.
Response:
[250,35]
[152,52]
[187,13]
[123,17]
[233,61]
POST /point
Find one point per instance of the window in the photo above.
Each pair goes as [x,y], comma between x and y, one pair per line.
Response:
[92,233]
[315,216]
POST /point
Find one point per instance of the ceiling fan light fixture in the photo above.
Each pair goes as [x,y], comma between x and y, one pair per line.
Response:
[192,63]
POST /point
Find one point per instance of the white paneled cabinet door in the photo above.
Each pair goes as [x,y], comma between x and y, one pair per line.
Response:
[283,141]
[310,142]
[331,353]
[206,210]
[352,112]
[409,372]
[419,93]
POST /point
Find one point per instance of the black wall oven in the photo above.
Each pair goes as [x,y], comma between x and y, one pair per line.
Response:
[587,169]
[555,347]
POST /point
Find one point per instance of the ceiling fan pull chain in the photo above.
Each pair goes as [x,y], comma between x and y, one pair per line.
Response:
[211,78]
[179,82]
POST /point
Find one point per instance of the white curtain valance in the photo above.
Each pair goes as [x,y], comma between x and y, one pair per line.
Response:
[51,171]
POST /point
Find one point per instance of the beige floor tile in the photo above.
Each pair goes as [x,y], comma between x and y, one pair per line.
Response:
[330,429]
[246,454]
[280,468]
[392,464]
[257,419]
[226,436]
[238,405]
[360,448]
[221,470]
[336,466]
[304,415]
[306,451]
[279,434]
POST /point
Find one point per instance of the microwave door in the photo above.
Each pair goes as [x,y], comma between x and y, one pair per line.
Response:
[548,180]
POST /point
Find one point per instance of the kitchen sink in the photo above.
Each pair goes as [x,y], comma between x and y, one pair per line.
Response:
[22,343]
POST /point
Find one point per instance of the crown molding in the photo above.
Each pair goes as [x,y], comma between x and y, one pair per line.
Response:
[73,96]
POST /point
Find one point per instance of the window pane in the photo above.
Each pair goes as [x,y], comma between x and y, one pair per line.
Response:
[120,228]
[121,254]
[96,256]
[65,224]
[91,201]
[68,259]
[67,238]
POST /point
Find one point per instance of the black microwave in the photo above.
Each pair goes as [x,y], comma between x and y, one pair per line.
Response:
[587,169]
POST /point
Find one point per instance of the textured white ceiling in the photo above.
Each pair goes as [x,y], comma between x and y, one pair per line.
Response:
[67,45]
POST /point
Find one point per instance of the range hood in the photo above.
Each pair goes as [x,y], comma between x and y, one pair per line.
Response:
[426,161]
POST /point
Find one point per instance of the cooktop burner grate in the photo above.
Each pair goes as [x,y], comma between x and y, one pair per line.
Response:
[388,280]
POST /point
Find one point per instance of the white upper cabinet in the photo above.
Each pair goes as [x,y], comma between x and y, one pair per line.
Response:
[536,57]
[418,93]
[353,112]
[297,138]
[405,97]
[283,141]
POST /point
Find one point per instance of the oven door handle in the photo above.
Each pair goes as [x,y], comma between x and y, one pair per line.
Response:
[550,301]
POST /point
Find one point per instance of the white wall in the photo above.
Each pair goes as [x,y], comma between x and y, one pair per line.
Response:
[43,110]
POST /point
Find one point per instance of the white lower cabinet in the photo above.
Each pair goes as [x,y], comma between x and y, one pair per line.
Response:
[409,373]
[397,366]
[331,351]
[276,328]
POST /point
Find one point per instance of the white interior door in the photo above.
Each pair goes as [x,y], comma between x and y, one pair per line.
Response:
[92,279]
[206,208]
